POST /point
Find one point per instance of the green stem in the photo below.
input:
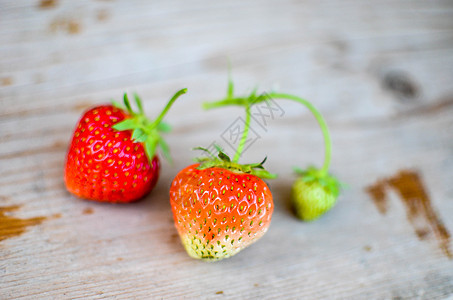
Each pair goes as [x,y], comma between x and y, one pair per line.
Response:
[167,107]
[322,124]
[245,133]
[224,102]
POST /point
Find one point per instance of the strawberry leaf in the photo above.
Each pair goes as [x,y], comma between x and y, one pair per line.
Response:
[150,149]
[138,135]
[165,150]
[201,148]
[126,125]
[263,174]
[314,175]
[138,101]
[206,151]
[164,127]
[118,105]
[128,104]
[224,157]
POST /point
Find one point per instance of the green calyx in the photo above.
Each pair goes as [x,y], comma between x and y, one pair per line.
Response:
[222,160]
[144,130]
[314,175]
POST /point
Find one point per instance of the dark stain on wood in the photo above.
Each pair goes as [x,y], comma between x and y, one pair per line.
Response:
[420,212]
[377,192]
[88,211]
[422,233]
[102,15]
[11,226]
[48,3]
[59,145]
[4,198]
[69,26]
[367,248]
[5,81]
[219,293]
[73,27]
[401,85]
[419,209]
[174,238]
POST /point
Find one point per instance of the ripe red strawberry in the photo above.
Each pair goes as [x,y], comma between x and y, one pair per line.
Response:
[112,157]
[220,207]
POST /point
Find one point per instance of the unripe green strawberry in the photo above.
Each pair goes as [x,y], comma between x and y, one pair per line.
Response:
[314,193]
[311,199]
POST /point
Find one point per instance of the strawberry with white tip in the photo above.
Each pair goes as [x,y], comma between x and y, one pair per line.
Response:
[219,205]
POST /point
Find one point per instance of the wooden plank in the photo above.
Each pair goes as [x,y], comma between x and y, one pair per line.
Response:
[380,72]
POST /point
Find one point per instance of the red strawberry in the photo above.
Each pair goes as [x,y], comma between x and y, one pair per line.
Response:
[220,207]
[112,154]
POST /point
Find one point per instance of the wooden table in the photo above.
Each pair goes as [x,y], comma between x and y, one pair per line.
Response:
[381,72]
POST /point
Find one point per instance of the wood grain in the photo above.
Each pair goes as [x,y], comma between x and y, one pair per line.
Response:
[380,72]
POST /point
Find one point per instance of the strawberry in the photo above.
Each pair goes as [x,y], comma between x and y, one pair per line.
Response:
[220,207]
[314,194]
[112,156]
[315,191]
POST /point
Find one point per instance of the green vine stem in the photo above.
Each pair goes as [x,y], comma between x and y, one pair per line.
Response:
[223,160]
[322,124]
[245,133]
[252,99]
[225,102]
[167,107]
